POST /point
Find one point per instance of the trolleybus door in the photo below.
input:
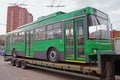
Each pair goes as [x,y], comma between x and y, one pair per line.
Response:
[74,39]
[8,40]
[29,39]
[79,38]
[69,40]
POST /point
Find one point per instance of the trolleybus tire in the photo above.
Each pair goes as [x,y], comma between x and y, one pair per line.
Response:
[53,55]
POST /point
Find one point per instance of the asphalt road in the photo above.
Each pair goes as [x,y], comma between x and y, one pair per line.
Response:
[8,72]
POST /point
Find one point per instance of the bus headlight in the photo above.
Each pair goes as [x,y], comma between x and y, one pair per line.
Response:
[94,50]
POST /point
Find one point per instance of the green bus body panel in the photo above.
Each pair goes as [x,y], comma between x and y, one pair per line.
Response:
[43,45]
[97,45]
[19,46]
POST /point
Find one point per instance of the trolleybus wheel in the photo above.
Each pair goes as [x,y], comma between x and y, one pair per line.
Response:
[23,65]
[17,63]
[53,55]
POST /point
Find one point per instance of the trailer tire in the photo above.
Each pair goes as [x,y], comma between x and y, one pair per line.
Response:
[24,65]
[17,63]
[13,62]
[53,55]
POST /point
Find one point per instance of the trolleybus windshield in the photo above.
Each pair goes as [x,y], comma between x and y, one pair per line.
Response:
[98,28]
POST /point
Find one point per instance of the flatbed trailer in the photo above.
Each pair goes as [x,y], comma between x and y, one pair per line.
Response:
[105,71]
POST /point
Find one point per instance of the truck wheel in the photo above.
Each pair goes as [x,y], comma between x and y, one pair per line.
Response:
[23,65]
[13,62]
[53,55]
[17,63]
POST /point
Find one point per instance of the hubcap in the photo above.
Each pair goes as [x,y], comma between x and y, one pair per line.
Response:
[53,56]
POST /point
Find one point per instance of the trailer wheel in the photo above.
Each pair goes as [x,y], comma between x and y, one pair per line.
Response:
[17,63]
[13,62]
[23,65]
[53,55]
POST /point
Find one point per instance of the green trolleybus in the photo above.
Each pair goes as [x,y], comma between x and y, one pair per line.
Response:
[77,36]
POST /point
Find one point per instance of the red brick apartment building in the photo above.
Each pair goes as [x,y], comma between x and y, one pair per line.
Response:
[17,16]
[115,33]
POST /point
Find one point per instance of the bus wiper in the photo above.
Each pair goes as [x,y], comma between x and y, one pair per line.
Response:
[97,20]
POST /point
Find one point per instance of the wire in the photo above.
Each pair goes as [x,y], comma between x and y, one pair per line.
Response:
[24,1]
[52,2]
[19,4]
[59,2]
[17,1]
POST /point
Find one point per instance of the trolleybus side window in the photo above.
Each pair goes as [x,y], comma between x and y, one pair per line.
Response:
[49,32]
[42,33]
[21,37]
[31,37]
[15,37]
[57,30]
[54,31]
[8,40]
[36,34]
[80,32]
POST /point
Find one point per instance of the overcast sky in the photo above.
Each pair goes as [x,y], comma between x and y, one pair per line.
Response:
[38,8]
